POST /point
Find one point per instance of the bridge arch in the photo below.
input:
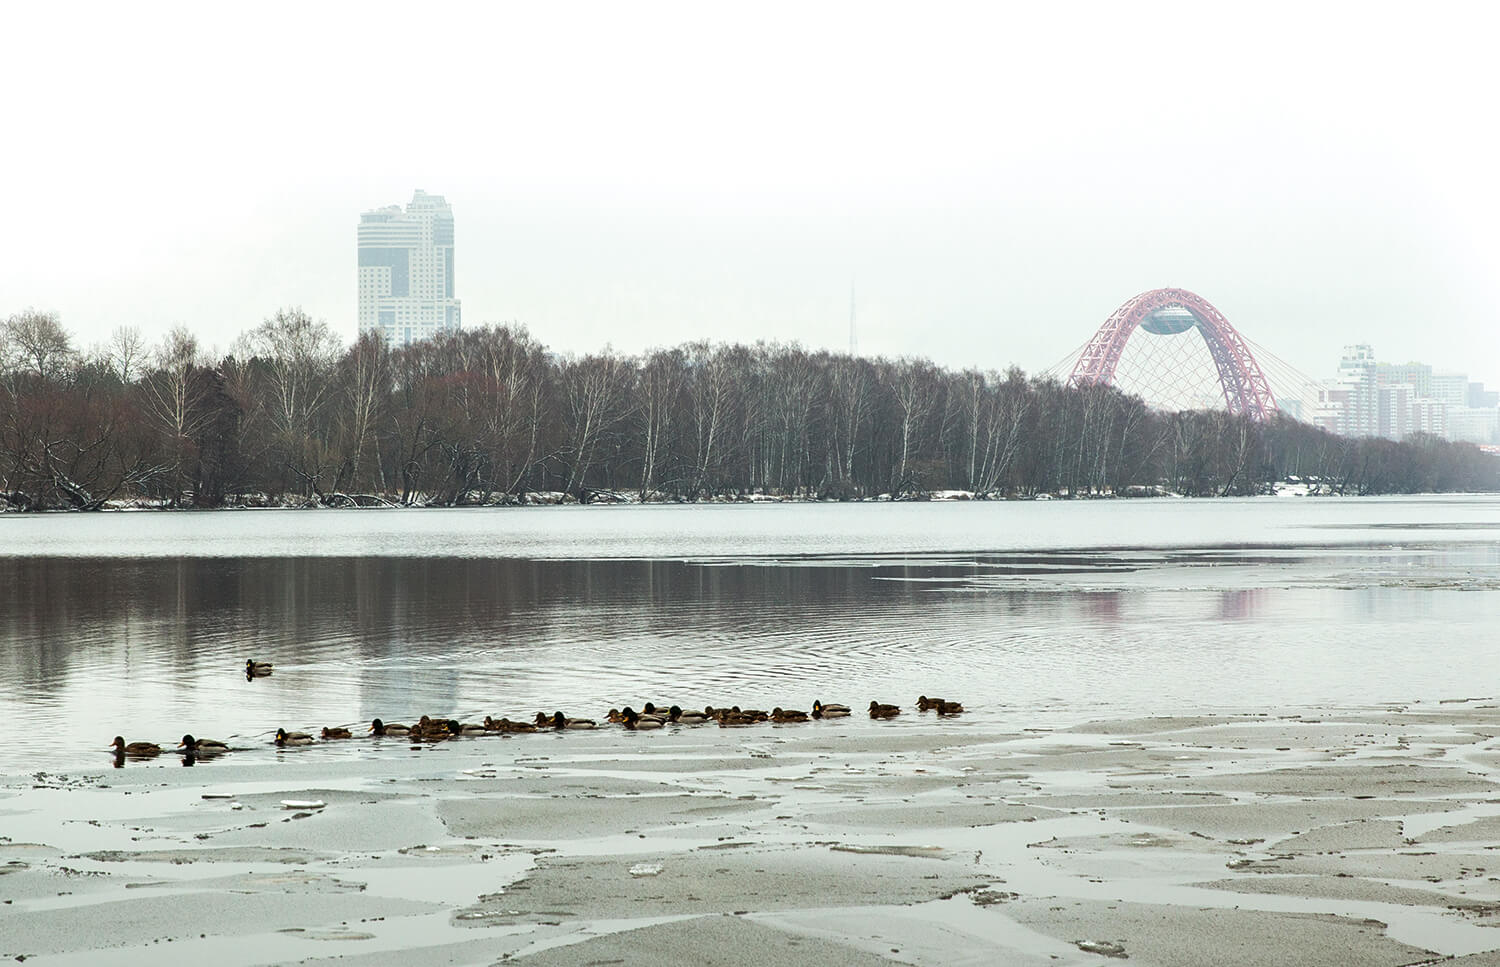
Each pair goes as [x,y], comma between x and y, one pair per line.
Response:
[1171,312]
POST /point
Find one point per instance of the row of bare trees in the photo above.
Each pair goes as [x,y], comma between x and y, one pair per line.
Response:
[487,413]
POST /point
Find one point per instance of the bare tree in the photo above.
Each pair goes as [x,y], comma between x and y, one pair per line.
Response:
[298,354]
[125,352]
[36,342]
[173,392]
[595,391]
[914,386]
[657,400]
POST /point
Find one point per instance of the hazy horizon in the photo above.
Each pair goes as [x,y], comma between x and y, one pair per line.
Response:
[992,182]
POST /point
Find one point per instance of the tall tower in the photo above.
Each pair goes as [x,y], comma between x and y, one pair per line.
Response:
[406,270]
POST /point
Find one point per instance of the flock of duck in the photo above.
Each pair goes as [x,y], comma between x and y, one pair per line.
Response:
[438,729]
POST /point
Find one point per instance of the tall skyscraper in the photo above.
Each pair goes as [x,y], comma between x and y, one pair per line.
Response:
[406,270]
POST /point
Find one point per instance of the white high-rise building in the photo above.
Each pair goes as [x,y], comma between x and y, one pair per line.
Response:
[406,270]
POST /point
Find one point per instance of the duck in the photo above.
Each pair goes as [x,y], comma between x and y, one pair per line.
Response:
[753,714]
[924,703]
[506,725]
[561,721]
[138,750]
[193,746]
[779,714]
[337,732]
[949,708]
[395,728]
[430,730]
[879,711]
[558,720]
[734,717]
[256,669]
[615,716]
[831,711]
[464,728]
[284,738]
[634,720]
[676,714]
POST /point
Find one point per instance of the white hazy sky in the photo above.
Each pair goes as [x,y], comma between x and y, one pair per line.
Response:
[993,179]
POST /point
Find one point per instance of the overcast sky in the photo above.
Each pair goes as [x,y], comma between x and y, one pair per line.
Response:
[993,180]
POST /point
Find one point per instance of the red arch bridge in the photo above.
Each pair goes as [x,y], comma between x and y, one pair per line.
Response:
[1164,317]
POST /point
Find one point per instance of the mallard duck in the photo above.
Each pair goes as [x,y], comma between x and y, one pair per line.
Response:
[634,720]
[337,732]
[561,721]
[137,750]
[202,746]
[464,728]
[506,725]
[779,714]
[255,669]
[949,708]
[924,703]
[615,716]
[395,728]
[430,730]
[283,737]
[879,711]
[830,711]
[732,717]
[676,714]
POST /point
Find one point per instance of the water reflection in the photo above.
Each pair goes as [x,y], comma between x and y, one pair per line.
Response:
[157,647]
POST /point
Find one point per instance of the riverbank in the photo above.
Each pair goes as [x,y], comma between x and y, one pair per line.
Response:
[555,498]
[1264,836]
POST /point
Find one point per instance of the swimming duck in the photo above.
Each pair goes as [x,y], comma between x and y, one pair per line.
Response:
[879,711]
[561,721]
[753,714]
[949,708]
[558,720]
[464,728]
[506,725]
[676,714]
[395,728]
[615,716]
[830,711]
[284,738]
[337,732]
[255,669]
[194,746]
[634,720]
[430,730]
[779,714]
[136,750]
[924,703]
[734,717]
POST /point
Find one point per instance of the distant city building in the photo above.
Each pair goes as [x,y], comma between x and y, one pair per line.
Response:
[406,270]
[1370,398]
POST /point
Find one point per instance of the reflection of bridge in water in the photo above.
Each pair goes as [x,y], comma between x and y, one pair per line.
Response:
[1146,348]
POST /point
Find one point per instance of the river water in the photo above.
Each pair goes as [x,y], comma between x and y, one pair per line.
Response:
[1031,613]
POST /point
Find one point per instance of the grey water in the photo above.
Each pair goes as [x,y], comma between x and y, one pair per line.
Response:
[1030,613]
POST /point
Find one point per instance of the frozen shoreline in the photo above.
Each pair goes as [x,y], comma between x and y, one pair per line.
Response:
[1339,835]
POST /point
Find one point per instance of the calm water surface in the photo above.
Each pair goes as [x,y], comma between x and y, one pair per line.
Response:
[1030,613]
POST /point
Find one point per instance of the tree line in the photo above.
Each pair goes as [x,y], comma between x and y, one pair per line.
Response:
[488,414]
